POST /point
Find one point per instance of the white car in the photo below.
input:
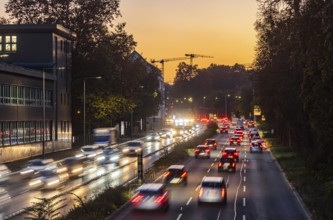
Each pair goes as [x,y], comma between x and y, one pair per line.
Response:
[213,189]
[132,147]
[4,173]
[35,166]
[153,137]
[91,151]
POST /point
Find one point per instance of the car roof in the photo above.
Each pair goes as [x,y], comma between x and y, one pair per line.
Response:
[202,146]
[151,187]
[230,148]
[210,139]
[89,146]
[212,179]
[179,167]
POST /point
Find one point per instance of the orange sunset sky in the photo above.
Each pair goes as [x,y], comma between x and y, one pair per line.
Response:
[163,29]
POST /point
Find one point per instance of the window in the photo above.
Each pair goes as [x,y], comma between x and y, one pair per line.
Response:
[5,133]
[13,133]
[26,132]
[38,97]
[39,132]
[13,94]
[6,94]
[48,98]
[32,131]
[20,132]
[10,43]
[26,96]
[20,97]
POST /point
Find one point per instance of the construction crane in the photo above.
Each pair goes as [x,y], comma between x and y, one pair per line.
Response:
[162,61]
[191,56]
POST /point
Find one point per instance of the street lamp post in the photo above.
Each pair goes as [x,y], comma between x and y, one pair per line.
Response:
[44,115]
[84,105]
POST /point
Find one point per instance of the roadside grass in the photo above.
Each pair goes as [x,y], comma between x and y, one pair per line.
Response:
[314,194]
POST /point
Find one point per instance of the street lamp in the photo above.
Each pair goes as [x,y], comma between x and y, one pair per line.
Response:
[84,105]
[44,120]
[226,104]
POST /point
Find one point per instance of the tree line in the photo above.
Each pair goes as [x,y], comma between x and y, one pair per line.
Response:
[294,77]
[102,48]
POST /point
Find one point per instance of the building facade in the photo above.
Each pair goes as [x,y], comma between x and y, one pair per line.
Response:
[35,94]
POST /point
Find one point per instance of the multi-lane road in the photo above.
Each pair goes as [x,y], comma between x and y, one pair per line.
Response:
[257,190]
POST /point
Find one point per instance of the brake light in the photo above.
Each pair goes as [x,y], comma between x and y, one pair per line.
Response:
[197,151]
[207,150]
[200,192]
[160,199]
[137,198]
[224,154]
[236,153]
[223,192]
[214,144]
[219,164]
[183,175]
[233,164]
[167,174]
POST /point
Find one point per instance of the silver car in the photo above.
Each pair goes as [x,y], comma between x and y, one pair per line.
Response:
[212,189]
[151,196]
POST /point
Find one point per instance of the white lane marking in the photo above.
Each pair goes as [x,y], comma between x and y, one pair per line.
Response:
[218,215]
[244,178]
[245,155]
[188,202]
[244,170]
[244,202]
[215,159]
[239,184]
[179,216]
[196,189]
[208,170]
[228,181]
[212,164]
[181,208]
[244,165]
[244,217]
[244,188]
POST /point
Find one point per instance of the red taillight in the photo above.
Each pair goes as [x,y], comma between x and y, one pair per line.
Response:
[224,154]
[236,153]
[183,175]
[233,164]
[223,193]
[207,150]
[214,144]
[219,164]
[167,174]
[160,199]
[137,198]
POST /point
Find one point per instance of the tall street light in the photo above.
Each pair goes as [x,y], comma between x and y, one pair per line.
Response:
[84,105]
[44,120]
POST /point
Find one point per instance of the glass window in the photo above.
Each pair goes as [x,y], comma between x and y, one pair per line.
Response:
[32,131]
[27,96]
[20,132]
[13,133]
[26,132]
[6,94]
[48,101]
[6,133]
[32,96]
[13,94]
[1,138]
[39,131]
[20,95]
[10,43]
[38,97]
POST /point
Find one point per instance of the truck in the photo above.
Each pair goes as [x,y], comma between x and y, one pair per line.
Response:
[105,137]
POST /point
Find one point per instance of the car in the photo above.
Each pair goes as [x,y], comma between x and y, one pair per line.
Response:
[75,165]
[224,129]
[51,177]
[202,151]
[230,152]
[256,147]
[178,132]
[211,143]
[166,133]
[176,174]
[109,155]
[250,124]
[212,189]
[151,196]
[235,140]
[35,165]
[153,137]
[132,148]
[91,151]
[4,173]
[239,133]
[226,164]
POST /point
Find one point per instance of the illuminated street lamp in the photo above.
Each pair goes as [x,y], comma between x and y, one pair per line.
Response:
[84,105]
[44,120]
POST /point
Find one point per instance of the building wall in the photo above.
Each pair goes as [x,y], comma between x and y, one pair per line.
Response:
[45,48]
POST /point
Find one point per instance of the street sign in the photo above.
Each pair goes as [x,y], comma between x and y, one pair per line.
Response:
[256,110]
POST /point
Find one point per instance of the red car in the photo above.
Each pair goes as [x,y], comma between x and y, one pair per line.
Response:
[224,130]
[211,143]
[230,152]
[235,140]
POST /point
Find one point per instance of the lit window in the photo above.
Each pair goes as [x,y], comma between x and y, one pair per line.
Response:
[11,43]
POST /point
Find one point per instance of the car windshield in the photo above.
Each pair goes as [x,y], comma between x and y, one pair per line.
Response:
[47,172]
[101,138]
[134,144]
[88,149]
[212,184]
[210,141]
[37,163]
[230,151]
[175,172]
[151,192]
[226,160]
